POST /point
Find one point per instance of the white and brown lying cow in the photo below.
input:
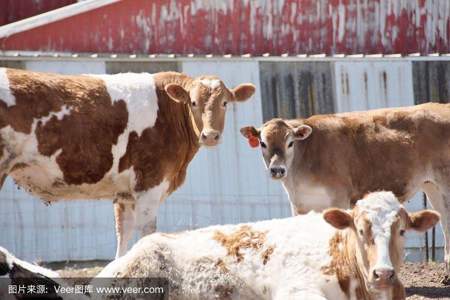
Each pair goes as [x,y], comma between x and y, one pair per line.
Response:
[127,137]
[340,254]
[333,160]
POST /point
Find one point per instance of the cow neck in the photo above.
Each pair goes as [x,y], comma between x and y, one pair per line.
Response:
[347,265]
[189,127]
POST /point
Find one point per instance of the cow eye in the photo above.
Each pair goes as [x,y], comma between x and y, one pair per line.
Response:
[224,103]
[291,144]
[361,232]
[402,232]
[194,103]
[263,145]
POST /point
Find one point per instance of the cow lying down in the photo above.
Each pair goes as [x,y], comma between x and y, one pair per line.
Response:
[337,254]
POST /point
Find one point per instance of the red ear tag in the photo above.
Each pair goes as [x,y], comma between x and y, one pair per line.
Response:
[253,142]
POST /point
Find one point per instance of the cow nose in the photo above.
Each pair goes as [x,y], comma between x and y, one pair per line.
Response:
[210,137]
[384,274]
[277,172]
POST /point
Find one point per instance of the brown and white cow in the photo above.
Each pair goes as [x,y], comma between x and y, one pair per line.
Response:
[127,137]
[340,254]
[333,160]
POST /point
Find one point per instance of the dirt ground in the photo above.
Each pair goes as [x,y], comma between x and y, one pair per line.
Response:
[421,280]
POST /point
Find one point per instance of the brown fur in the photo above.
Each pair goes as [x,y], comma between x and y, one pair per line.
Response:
[409,138]
[243,238]
[265,255]
[85,136]
[152,154]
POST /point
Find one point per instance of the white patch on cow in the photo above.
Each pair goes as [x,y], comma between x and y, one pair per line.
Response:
[10,260]
[138,90]
[210,83]
[297,258]
[65,111]
[139,93]
[307,196]
[5,92]
[381,210]
[147,204]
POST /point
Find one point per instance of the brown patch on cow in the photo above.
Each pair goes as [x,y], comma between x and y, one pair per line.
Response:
[265,255]
[18,166]
[85,136]
[339,265]
[173,136]
[222,266]
[224,292]
[243,238]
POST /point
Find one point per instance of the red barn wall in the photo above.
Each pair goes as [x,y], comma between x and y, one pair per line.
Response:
[243,26]
[15,10]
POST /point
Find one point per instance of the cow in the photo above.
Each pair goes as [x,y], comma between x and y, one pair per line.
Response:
[127,137]
[337,254]
[333,160]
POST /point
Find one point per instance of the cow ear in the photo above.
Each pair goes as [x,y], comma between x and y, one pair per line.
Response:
[338,218]
[302,132]
[177,93]
[250,132]
[423,220]
[242,92]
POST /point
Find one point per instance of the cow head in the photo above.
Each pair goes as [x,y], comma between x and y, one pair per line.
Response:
[377,225]
[207,97]
[278,140]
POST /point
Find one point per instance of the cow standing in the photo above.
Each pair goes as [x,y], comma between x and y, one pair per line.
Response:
[127,137]
[333,160]
[337,255]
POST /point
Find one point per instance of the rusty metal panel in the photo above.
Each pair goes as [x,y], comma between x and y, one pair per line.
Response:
[431,81]
[296,89]
[113,67]
[242,26]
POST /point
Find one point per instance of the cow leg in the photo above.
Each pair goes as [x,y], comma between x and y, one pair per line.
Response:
[147,204]
[146,210]
[440,199]
[124,213]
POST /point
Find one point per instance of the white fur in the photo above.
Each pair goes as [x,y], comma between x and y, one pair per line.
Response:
[296,261]
[139,92]
[10,259]
[5,91]
[381,209]
[210,83]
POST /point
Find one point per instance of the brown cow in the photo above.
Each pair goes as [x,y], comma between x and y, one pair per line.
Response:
[128,137]
[333,160]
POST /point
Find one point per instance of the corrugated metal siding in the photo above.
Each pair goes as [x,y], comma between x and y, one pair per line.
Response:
[243,26]
[296,89]
[431,81]
[368,85]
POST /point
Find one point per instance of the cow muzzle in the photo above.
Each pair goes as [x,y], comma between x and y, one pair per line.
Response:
[383,278]
[277,172]
[210,137]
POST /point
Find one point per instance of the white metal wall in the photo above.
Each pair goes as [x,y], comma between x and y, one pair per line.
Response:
[227,184]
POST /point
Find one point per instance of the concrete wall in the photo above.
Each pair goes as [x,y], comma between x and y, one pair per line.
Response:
[227,184]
